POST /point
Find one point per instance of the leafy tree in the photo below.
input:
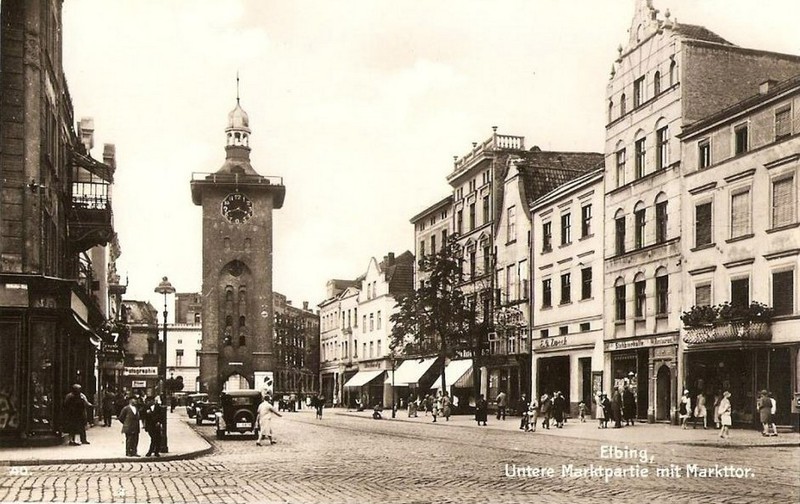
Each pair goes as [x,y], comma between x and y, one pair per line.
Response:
[435,318]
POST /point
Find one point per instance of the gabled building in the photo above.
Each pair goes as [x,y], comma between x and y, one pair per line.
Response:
[142,349]
[338,347]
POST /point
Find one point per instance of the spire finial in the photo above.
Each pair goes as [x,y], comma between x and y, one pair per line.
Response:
[237,87]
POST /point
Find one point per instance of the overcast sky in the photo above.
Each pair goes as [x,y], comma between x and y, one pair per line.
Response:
[360,106]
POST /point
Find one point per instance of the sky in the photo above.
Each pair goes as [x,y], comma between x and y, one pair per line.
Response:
[359,105]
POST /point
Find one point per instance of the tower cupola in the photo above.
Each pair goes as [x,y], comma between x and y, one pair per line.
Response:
[238,130]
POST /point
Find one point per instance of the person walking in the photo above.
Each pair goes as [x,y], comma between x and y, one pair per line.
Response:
[533,414]
[412,407]
[772,412]
[685,408]
[75,404]
[428,404]
[764,406]
[582,410]
[319,404]
[522,407]
[481,408]
[717,399]
[129,416]
[446,410]
[606,406]
[725,414]
[109,402]
[173,403]
[546,406]
[502,403]
[151,417]
[616,408]
[628,406]
[265,412]
[700,410]
[559,405]
[437,405]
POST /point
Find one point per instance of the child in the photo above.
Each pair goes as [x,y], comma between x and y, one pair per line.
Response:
[582,411]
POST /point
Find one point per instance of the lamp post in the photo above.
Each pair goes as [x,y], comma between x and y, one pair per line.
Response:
[164,288]
[394,403]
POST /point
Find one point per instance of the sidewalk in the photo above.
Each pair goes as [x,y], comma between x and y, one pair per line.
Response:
[641,432]
[107,445]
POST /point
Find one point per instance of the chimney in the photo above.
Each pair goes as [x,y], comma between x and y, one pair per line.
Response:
[110,155]
[86,132]
[288,302]
[305,305]
[766,86]
[390,259]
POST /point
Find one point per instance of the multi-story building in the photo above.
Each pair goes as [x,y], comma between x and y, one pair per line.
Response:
[567,272]
[296,349]
[56,219]
[184,341]
[338,319]
[432,228]
[665,78]
[740,245]
[142,349]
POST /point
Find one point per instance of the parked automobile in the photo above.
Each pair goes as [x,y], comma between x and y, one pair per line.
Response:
[238,412]
[191,399]
[205,411]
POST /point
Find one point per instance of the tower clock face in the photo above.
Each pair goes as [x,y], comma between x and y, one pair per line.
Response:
[237,208]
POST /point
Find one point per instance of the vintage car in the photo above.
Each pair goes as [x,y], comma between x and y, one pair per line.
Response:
[191,399]
[238,412]
[205,411]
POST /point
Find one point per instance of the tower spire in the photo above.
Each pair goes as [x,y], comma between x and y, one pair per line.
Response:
[237,87]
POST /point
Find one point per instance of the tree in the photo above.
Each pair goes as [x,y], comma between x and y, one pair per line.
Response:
[435,318]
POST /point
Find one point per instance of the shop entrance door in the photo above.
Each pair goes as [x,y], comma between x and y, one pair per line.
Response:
[663,399]
[553,376]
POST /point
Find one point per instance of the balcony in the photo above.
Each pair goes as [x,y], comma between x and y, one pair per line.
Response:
[483,150]
[90,217]
[728,332]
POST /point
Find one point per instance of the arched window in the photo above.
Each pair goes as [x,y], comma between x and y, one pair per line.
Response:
[673,73]
[639,296]
[657,84]
[662,144]
[619,299]
[622,107]
[620,163]
[619,228]
[661,217]
[640,219]
[610,110]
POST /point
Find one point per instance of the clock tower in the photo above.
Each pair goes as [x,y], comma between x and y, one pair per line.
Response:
[237,206]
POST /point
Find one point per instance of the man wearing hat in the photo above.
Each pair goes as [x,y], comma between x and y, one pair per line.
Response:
[75,404]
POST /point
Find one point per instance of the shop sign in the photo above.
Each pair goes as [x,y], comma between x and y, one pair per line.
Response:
[642,343]
[552,343]
[141,371]
[139,384]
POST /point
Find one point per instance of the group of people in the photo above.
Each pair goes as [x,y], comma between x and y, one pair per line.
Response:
[621,406]
[722,411]
[439,405]
[550,408]
[148,414]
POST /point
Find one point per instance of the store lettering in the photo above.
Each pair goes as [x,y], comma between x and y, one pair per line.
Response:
[553,342]
[141,371]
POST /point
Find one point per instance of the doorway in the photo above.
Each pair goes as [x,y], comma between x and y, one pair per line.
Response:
[663,399]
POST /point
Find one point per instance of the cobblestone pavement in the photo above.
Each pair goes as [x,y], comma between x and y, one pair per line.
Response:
[345,459]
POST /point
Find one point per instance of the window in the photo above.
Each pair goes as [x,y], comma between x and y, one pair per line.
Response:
[662,293]
[471,216]
[586,220]
[421,254]
[619,302]
[740,214]
[640,157]
[740,139]
[565,229]
[371,322]
[783,202]
[563,330]
[586,283]
[639,216]
[547,237]
[472,184]
[740,292]
[622,108]
[444,238]
[523,280]
[371,349]
[379,319]
[639,298]
[783,292]
[565,288]
[673,73]
[586,326]
[472,264]
[638,92]
[486,212]
[610,110]
[662,148]
[355,349]
[380,351]
[511,224]
[459,222]
[364,324]
[487,260]
[179,357]
[364,351]
[620,234]
[547,293]
[783,123]
[702,224]
[544,333]
[702,295]
[661,221]
[433,244]
[704,154]
[511,283]
[620,167]
[657,84]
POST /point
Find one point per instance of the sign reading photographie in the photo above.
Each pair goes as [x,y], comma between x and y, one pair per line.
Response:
[141,371]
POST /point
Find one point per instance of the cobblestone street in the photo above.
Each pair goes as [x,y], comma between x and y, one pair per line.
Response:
[349,459]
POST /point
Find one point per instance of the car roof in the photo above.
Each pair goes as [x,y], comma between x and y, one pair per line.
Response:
[242,393]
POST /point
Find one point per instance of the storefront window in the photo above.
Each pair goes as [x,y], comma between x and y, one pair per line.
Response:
[42,351]
[9,398]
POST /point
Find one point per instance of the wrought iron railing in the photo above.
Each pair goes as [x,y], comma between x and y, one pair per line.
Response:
[729,331]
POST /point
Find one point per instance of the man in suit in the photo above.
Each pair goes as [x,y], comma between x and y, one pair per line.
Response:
[152,425]
[129,416]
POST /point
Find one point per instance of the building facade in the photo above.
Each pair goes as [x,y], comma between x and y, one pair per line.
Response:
[296,349]
[665,78]
[142,350]
[238,318]
[56,221]
[432,228]
[567,276]
[741,245]
[338,318]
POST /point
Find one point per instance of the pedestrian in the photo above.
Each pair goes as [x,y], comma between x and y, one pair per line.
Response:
[129,416]
[108,405]
[717,399]
[700,410]
[546,406]
[481,408]
[559,405]
[764,406]
[173,403]
[628,406]
[725,414]
[616,408]
[265,412]
[685,408]
[522,407]
[75,404]
[437,405]
[412,407]
[533,414]
[772,412]
[606,405]
[319,405]
[446,407]
[582,411]
[428,404]
[151,418]
[376,412]
[502,403]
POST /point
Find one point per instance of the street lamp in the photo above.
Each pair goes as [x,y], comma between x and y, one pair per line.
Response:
[394,403]
[164,288]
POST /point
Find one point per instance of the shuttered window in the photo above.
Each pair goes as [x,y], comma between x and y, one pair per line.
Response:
[702,295]
[702,225]
[783,292]
[740,214]
[783,123]
[783,202]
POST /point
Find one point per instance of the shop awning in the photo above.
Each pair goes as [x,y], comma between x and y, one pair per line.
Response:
[411,371]
[363,377]
[457,372]
[94,339]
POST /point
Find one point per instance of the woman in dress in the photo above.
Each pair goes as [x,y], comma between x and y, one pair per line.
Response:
[725,414]
[685,408]
[700,411]
[764,406]
[480,410]
[717,399]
